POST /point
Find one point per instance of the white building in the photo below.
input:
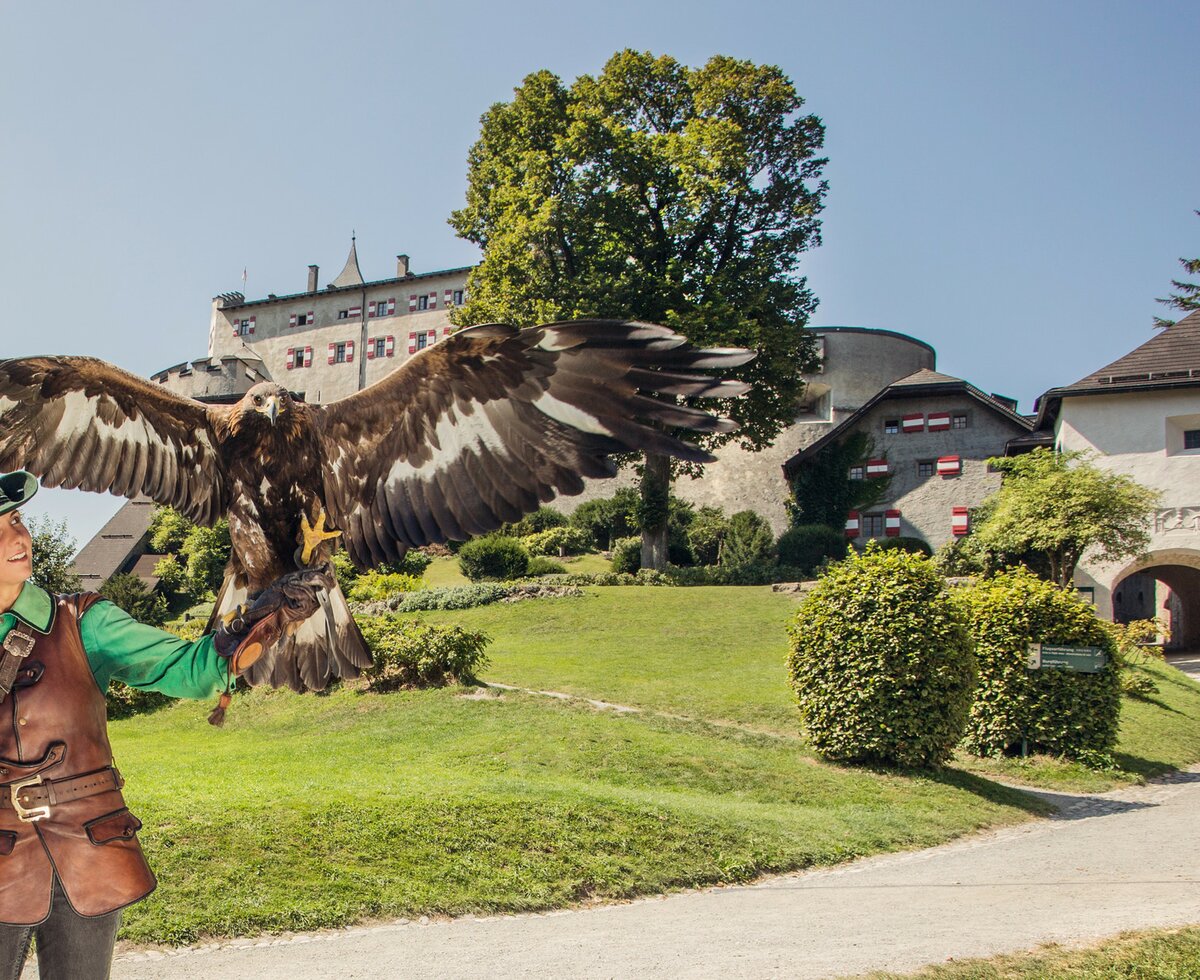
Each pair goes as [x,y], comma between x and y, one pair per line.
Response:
[1140,415]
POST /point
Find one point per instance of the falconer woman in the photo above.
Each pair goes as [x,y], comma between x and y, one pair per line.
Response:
[69,854]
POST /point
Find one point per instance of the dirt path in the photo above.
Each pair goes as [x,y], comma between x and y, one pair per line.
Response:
[1122,860]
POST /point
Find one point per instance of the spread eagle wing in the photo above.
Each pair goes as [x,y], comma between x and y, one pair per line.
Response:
[483,427]
[81,422]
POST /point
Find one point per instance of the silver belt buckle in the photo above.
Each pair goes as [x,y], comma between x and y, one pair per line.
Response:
[18,644]
[30,814]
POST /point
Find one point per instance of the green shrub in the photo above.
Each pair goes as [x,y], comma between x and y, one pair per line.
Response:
[558,541]
[373,586]
[749,541]
[902,543]
[706,533]
[493,558]
[542,519]
[1054,711]
[187,629]
[344,570]
[411,654]
[608,519]
[881,662]
[627,555]
[807,545]
[540,565]
[449,597]
[125,702]
[129,592]
[740,575]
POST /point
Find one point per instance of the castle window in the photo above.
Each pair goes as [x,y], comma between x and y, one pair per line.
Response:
[1191,439]
[422,302]
[925,467]
[891,426]
[958,422]
[421,340]
[856,472]
[380,347]
[872,525]
[343,314]
[457,297]
[339,353]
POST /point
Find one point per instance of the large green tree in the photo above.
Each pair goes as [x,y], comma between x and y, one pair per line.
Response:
[659,192]
[1187,294]
[53,550]
[1060,505]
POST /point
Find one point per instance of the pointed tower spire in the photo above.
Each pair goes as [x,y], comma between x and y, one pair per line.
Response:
[351,275]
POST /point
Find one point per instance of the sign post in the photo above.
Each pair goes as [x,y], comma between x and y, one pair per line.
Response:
[1077,660]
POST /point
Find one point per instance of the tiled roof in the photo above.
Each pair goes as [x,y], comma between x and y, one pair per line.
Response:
[927,377]
[116,544]
[1169,357]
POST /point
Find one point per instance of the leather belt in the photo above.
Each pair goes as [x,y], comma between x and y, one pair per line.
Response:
[33,797]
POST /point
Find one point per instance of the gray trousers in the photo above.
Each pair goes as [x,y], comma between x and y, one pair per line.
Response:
[70,946]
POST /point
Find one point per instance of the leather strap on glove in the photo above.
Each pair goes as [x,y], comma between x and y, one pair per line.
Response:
[249,631]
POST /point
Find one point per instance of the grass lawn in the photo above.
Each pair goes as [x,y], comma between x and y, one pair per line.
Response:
[641,646]
[444,571]
[708,652]
[1167,954]
[304,811]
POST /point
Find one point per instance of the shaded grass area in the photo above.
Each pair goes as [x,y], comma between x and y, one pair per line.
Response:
[707,652]
[307,812]
[1167,954]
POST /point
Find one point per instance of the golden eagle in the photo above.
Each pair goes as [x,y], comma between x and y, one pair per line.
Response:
[462,437]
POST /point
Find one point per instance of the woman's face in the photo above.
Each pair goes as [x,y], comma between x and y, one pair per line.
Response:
[16,550]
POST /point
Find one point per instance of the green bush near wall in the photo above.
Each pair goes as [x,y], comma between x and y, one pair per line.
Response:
[1052,711]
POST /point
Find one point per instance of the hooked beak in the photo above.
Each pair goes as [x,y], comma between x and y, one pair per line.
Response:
[271,409]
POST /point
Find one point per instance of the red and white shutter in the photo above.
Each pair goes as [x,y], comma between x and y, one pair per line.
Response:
[877,467]
[389,346]
[349,351]
[308,357]
[949,465]
[292,320]
[433,300]
[355,311]
[447,331]
[370,348]
[412,343]
[960,521]
[912,423]
[391,306]
[291,360]
[371,309]
[412,303]
[332,354]
[891,523]
[311,319]
[448,297]
[237,325]
[252,324]
[938,421]
[432,338]
[852,524]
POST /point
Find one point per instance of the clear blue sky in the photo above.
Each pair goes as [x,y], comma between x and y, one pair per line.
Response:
[1012,182]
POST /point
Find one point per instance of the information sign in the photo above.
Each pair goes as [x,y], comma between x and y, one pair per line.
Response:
[1079,660]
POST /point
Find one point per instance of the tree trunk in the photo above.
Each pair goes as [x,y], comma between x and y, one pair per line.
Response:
[652,510]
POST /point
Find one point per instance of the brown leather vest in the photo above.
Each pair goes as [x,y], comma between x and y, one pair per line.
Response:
[57,727]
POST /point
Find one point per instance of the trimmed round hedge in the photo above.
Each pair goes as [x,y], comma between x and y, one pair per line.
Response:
[1054,711]
[493,557]
[881,662]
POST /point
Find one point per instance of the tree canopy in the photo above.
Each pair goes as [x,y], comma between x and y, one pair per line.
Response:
[655,191]
[1060,505]
[53,549]
[1187,294]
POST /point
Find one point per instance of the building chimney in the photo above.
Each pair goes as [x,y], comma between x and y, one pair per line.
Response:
[312,278]
[402,266]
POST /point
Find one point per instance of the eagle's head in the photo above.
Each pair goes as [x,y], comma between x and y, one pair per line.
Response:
[265,406]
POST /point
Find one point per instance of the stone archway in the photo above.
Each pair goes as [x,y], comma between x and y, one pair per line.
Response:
[1165,584]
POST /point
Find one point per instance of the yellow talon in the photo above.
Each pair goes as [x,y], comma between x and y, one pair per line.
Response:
[314,534]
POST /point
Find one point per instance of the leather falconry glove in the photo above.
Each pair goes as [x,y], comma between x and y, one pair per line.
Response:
[288,601]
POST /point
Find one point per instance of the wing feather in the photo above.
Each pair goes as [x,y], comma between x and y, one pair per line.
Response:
[481,428]
[79,422]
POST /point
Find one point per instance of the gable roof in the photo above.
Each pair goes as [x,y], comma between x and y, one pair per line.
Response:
[1169,359]
[916,385]
[113,547]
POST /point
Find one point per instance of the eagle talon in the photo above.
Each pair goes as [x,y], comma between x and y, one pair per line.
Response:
[313,535]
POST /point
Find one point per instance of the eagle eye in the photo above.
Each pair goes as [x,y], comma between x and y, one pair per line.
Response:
[258,399]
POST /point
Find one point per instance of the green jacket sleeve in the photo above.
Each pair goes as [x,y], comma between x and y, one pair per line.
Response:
[119,647]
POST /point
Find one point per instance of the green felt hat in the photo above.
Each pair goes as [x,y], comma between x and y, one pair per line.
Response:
[16,489]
